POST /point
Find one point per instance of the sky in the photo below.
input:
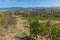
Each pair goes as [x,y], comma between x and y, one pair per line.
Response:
[29,3]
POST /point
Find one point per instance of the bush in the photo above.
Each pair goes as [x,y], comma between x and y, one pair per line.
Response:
[55,33]
[1,17]
[51,31]
[34,28]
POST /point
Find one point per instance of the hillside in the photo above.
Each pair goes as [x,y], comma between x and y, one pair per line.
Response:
[41,24]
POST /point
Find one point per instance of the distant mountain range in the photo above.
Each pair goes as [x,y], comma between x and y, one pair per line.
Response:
[25,8]
[20,8]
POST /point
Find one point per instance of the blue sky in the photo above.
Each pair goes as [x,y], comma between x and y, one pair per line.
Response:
[29,3]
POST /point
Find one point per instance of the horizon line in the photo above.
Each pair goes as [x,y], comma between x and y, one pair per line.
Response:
[31,6]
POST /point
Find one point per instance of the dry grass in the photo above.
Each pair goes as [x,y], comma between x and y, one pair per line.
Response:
[19,30]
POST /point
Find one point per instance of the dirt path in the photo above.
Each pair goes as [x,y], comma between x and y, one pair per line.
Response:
[47,21]
[12,32]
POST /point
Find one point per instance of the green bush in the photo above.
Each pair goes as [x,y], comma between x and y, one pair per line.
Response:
[51,31]
[34,25]
[1,17]
[55,33]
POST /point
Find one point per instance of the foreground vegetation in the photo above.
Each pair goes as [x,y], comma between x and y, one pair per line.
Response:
[47,29]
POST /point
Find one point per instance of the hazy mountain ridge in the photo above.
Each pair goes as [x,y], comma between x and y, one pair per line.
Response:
[18,8]
[25,8]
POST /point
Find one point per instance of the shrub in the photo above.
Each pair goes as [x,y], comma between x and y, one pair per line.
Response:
[34,28]
[1,17]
